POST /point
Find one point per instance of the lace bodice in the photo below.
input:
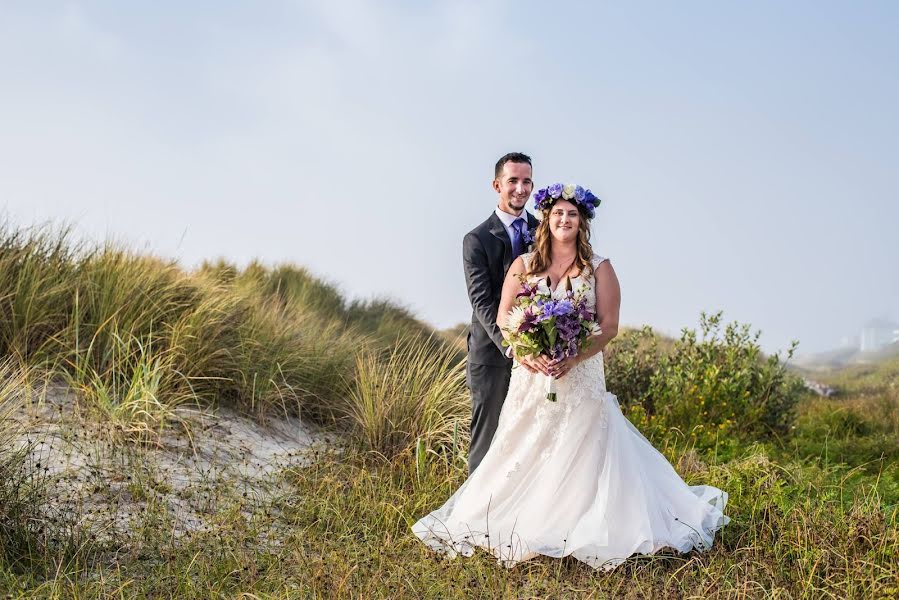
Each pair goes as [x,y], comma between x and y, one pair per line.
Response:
[579,281]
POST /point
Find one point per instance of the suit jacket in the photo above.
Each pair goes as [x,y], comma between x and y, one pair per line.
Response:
[486,257]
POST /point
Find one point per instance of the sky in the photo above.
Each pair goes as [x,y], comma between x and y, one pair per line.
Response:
[746,153]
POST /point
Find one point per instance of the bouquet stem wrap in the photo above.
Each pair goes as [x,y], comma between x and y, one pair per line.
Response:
[551,388]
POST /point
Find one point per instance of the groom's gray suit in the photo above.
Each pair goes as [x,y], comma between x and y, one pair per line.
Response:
[486,256]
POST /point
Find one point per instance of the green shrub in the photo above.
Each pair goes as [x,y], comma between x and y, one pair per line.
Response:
[709,387]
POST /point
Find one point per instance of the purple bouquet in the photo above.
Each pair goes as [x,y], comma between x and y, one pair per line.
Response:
[540,323]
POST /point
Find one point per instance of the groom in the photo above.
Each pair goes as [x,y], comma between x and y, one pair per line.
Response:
[487,252]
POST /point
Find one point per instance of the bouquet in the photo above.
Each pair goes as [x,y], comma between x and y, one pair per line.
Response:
[539,323]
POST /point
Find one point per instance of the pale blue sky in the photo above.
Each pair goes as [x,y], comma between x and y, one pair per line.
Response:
[746,153]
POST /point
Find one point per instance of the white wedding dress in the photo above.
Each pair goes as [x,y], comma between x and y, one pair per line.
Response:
[572,477]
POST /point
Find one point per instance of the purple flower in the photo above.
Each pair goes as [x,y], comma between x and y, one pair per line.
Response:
[529,322]
[556,308]
[579,194]
[530,236]
[546,197]
[527,291]
[568,327]
[542,199]
[585,313]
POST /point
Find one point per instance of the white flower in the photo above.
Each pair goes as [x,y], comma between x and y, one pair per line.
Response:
[515,318]
[568,192]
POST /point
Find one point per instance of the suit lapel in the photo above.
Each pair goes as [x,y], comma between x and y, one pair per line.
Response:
[499,230]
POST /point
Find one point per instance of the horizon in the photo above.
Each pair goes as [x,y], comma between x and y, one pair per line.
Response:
[744,154]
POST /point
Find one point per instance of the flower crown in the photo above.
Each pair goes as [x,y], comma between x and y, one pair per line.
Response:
[546,197]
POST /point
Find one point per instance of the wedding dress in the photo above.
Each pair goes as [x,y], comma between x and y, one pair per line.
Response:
[572,477]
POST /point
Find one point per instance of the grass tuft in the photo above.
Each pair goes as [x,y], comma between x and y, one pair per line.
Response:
[407,393]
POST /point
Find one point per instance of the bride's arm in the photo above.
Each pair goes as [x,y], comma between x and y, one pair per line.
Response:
[608,305]
[511,287]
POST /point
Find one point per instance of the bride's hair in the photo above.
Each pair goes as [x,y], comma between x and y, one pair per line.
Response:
[543,244]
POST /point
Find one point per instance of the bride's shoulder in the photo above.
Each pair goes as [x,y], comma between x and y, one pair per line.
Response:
[597,260]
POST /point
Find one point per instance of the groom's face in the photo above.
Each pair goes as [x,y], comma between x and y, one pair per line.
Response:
[514,187]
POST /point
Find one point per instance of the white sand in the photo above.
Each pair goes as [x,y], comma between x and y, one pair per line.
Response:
[222,461]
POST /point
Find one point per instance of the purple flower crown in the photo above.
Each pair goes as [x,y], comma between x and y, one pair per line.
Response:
[546,197]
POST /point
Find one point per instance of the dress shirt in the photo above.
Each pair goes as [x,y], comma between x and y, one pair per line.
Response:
[508,219]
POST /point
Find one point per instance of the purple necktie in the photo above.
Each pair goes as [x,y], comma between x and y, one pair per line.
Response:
[517,237]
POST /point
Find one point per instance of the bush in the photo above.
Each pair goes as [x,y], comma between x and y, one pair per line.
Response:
[708,387]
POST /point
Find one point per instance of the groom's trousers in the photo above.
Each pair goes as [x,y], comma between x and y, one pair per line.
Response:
[489,385]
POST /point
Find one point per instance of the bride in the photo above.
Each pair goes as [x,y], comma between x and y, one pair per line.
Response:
[571,477]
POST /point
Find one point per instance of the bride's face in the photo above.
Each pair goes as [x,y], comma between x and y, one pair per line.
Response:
[564,219]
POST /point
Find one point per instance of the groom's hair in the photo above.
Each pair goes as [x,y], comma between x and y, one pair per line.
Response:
[516,157]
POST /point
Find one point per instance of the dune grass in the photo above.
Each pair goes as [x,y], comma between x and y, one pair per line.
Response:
[407,394]
[139,336]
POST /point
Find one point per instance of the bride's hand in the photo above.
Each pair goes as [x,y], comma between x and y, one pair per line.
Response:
[560,368]
[536,364]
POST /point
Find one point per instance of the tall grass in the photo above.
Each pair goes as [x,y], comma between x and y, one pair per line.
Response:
[37,270]
[407,393]
[139,336]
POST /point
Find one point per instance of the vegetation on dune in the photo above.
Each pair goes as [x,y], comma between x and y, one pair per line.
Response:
[813,482]
[139,336]
[408,394]
[858,426]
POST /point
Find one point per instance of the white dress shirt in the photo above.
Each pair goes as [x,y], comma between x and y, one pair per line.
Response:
[508,219]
